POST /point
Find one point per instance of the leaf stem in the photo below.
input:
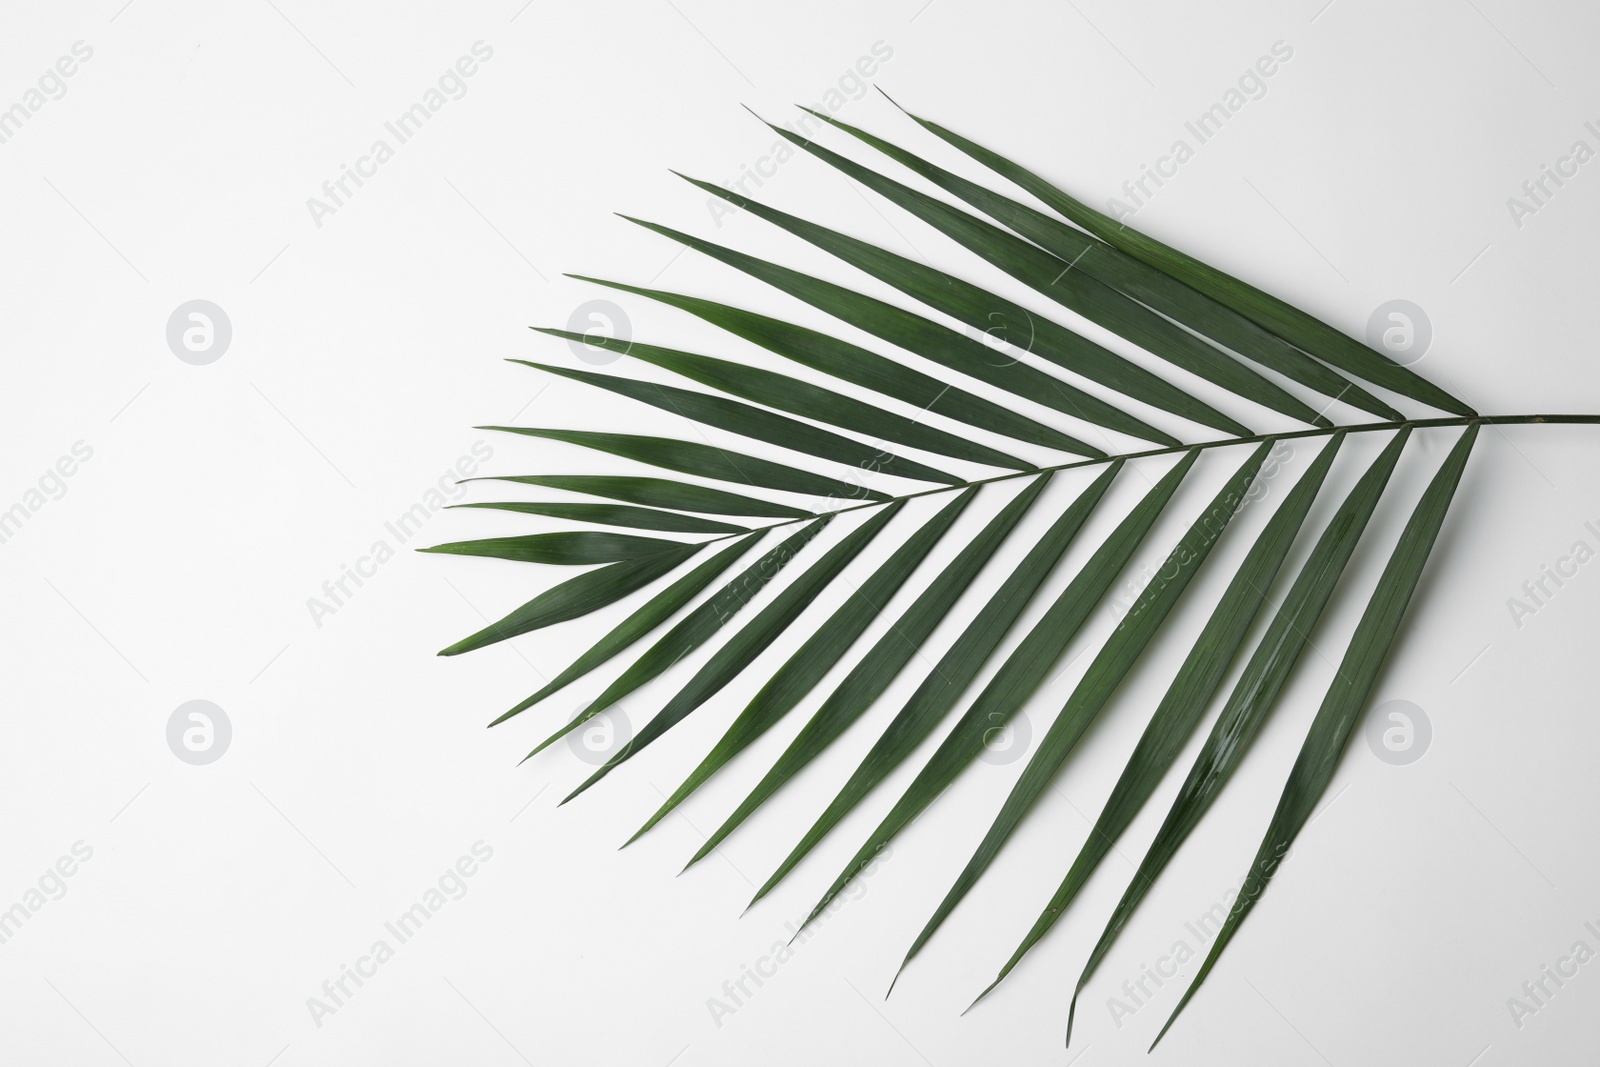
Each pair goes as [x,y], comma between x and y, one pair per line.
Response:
[1223,442]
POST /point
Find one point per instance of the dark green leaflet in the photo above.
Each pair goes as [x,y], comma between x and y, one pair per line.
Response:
[1079,290]
[757,423]
[1289,323]
[750,641]
[1138,279]
[820,653]
[706,461]
[574,597]
[1347,696]
[1111,665]
[1191,690]
[656,610]
[573,548]
[614,515]
[1255,693]
[852,363]
[697,627]
[1021,674]
[956,669]
[926,338]
[880,666]
[658,493]
[979,309]
[810,401]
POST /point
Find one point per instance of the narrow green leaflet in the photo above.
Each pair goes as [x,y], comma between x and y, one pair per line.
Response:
[756,423]
[1347,696]
[802,398]
[1254,694]
[1191,690]
[695,628]
[852,363]
[925,337]
[1079,290]
[980,309]
[658,493]
[614,515]
[1289,323]
[655,611]
[880,666]
[750,641]
[574,597]
[1115,659]
[1021,674]
[1138,279]
[821,653]
[572,548]
[706,461]
[956,669]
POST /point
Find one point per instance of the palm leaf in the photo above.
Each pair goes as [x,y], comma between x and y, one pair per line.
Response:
[1022,673]
[613,515]
[833,638]
[1186,699]
[705,461]
[660,493]
[1115,659]
[567,548]
[980,309]
[1162,292]
[1252,700]
[1082,292]
[814,402]
[657,610]
[576,597]
[750,640]
[1347,697]
[1259,357]
[950,677]
[852,363]
[695,628]
[886,660]
[1290,323]
[757,424]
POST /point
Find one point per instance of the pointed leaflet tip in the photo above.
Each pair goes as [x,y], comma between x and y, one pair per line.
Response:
[1164,1029]
[980,996]
[704,851]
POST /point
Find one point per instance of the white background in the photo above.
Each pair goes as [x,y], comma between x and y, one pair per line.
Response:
[179,562]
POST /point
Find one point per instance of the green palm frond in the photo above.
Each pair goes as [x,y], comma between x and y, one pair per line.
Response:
[686,540]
